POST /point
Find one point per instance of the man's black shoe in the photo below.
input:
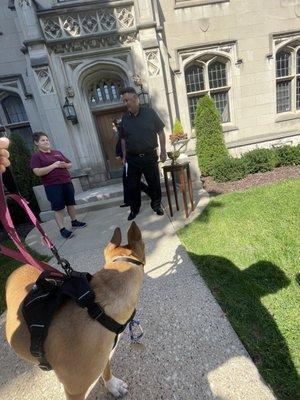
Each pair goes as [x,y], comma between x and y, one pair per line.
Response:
[159,211]
[124,205]
[131,216]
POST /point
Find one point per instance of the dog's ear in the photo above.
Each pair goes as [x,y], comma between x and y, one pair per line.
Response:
[116,237]
[134,234]
[115,241]
[135,241]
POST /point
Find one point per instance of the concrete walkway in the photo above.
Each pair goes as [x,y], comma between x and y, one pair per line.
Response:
[189,350]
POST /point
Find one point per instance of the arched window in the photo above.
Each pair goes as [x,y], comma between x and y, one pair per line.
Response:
[288,79]
[209,77]
[14,110]
[15,118]
[105,91]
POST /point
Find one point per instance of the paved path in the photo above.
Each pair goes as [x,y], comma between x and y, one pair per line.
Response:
[189,349]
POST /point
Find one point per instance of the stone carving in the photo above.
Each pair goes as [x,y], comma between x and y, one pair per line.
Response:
[204,24]
[26,2]
[89,24]
[52,29]
[153,62]
[93,43]
[125,17]
[102,21]
[44,80]
[70,92]
[71,26]
[107,21]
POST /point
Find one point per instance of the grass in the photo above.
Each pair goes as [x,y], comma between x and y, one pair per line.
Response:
[246,245]
[7,266]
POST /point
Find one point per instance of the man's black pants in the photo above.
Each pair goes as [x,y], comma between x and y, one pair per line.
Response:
[126,189]
[147,166]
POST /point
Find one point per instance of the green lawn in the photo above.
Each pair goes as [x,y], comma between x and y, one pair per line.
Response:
[246,245]
[7,265]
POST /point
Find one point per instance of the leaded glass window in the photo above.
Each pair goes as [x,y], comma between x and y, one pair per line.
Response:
[283,96]
[283,64]
[288,79]
[14,110]
[208,78]
[194,78]
[105,91]
[217,75]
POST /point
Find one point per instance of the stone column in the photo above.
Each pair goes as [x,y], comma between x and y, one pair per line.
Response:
[46,93]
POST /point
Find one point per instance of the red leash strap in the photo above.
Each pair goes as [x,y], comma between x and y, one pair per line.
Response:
[22,255]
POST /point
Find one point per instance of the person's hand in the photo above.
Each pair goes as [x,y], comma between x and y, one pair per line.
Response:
[163,156]
[123,160]
[57,164]
[4,154]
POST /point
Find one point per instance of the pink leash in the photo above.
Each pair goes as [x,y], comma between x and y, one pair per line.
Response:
[22,255]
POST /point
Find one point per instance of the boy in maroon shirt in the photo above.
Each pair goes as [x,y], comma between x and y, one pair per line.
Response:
[52,166]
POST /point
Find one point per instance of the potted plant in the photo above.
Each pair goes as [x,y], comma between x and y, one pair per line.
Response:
[178,141]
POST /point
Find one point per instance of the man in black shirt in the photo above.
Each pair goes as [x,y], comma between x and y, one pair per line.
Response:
[139,130]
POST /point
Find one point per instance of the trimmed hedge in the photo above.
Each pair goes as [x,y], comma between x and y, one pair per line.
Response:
[229,169]
[287,155]
[210,145]
[260,160]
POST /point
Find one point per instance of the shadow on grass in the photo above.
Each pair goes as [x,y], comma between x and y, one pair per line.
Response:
[205,215]
[239,294]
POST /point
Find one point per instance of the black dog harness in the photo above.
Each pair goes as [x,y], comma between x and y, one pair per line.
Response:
[50,292]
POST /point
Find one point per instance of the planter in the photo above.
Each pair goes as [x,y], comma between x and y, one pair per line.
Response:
[181,145]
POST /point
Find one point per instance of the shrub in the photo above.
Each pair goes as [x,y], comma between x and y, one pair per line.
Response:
[24,177]
[210,145]
[229,169]
[259,160]
[287,155]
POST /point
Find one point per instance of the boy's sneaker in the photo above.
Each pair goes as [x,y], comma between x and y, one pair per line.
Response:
[66,234]
[78,224]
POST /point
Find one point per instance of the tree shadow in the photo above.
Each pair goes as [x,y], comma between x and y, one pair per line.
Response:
[205,215]
[239,294]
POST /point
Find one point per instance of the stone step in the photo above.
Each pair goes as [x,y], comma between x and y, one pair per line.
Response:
[102,197]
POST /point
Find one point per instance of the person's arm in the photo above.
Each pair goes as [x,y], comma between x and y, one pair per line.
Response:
[45,170]
[162,142]
[4,154]
[123,145]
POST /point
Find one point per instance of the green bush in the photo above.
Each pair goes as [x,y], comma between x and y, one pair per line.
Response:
[287,155]
[24,177]
[259,160]
[210,145]
[229,169]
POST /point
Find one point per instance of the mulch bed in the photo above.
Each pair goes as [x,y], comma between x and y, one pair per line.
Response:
[259,179]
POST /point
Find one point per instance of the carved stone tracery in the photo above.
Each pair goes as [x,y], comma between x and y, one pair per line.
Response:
[82,24]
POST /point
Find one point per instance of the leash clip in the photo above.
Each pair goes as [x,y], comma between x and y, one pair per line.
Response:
[135,330]
[62,261]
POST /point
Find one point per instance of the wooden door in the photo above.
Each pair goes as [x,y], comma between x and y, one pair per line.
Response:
[108,141]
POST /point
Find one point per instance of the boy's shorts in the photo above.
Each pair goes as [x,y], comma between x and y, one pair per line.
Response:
[60,195]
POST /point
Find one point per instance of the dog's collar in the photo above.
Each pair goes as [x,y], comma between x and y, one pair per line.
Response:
[128,259]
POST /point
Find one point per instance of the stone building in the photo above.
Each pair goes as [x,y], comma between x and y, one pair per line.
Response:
[244,53]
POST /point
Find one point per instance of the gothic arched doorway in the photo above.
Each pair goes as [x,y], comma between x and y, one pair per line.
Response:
[104,97]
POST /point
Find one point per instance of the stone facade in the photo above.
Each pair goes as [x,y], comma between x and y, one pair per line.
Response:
[181,49]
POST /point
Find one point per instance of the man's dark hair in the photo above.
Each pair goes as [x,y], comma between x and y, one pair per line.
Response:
[37,135]
[128,89]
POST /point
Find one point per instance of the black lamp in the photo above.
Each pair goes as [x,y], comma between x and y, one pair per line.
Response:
[143,95]
[70,112]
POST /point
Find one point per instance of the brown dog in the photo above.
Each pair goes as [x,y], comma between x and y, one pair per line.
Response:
[74,339]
